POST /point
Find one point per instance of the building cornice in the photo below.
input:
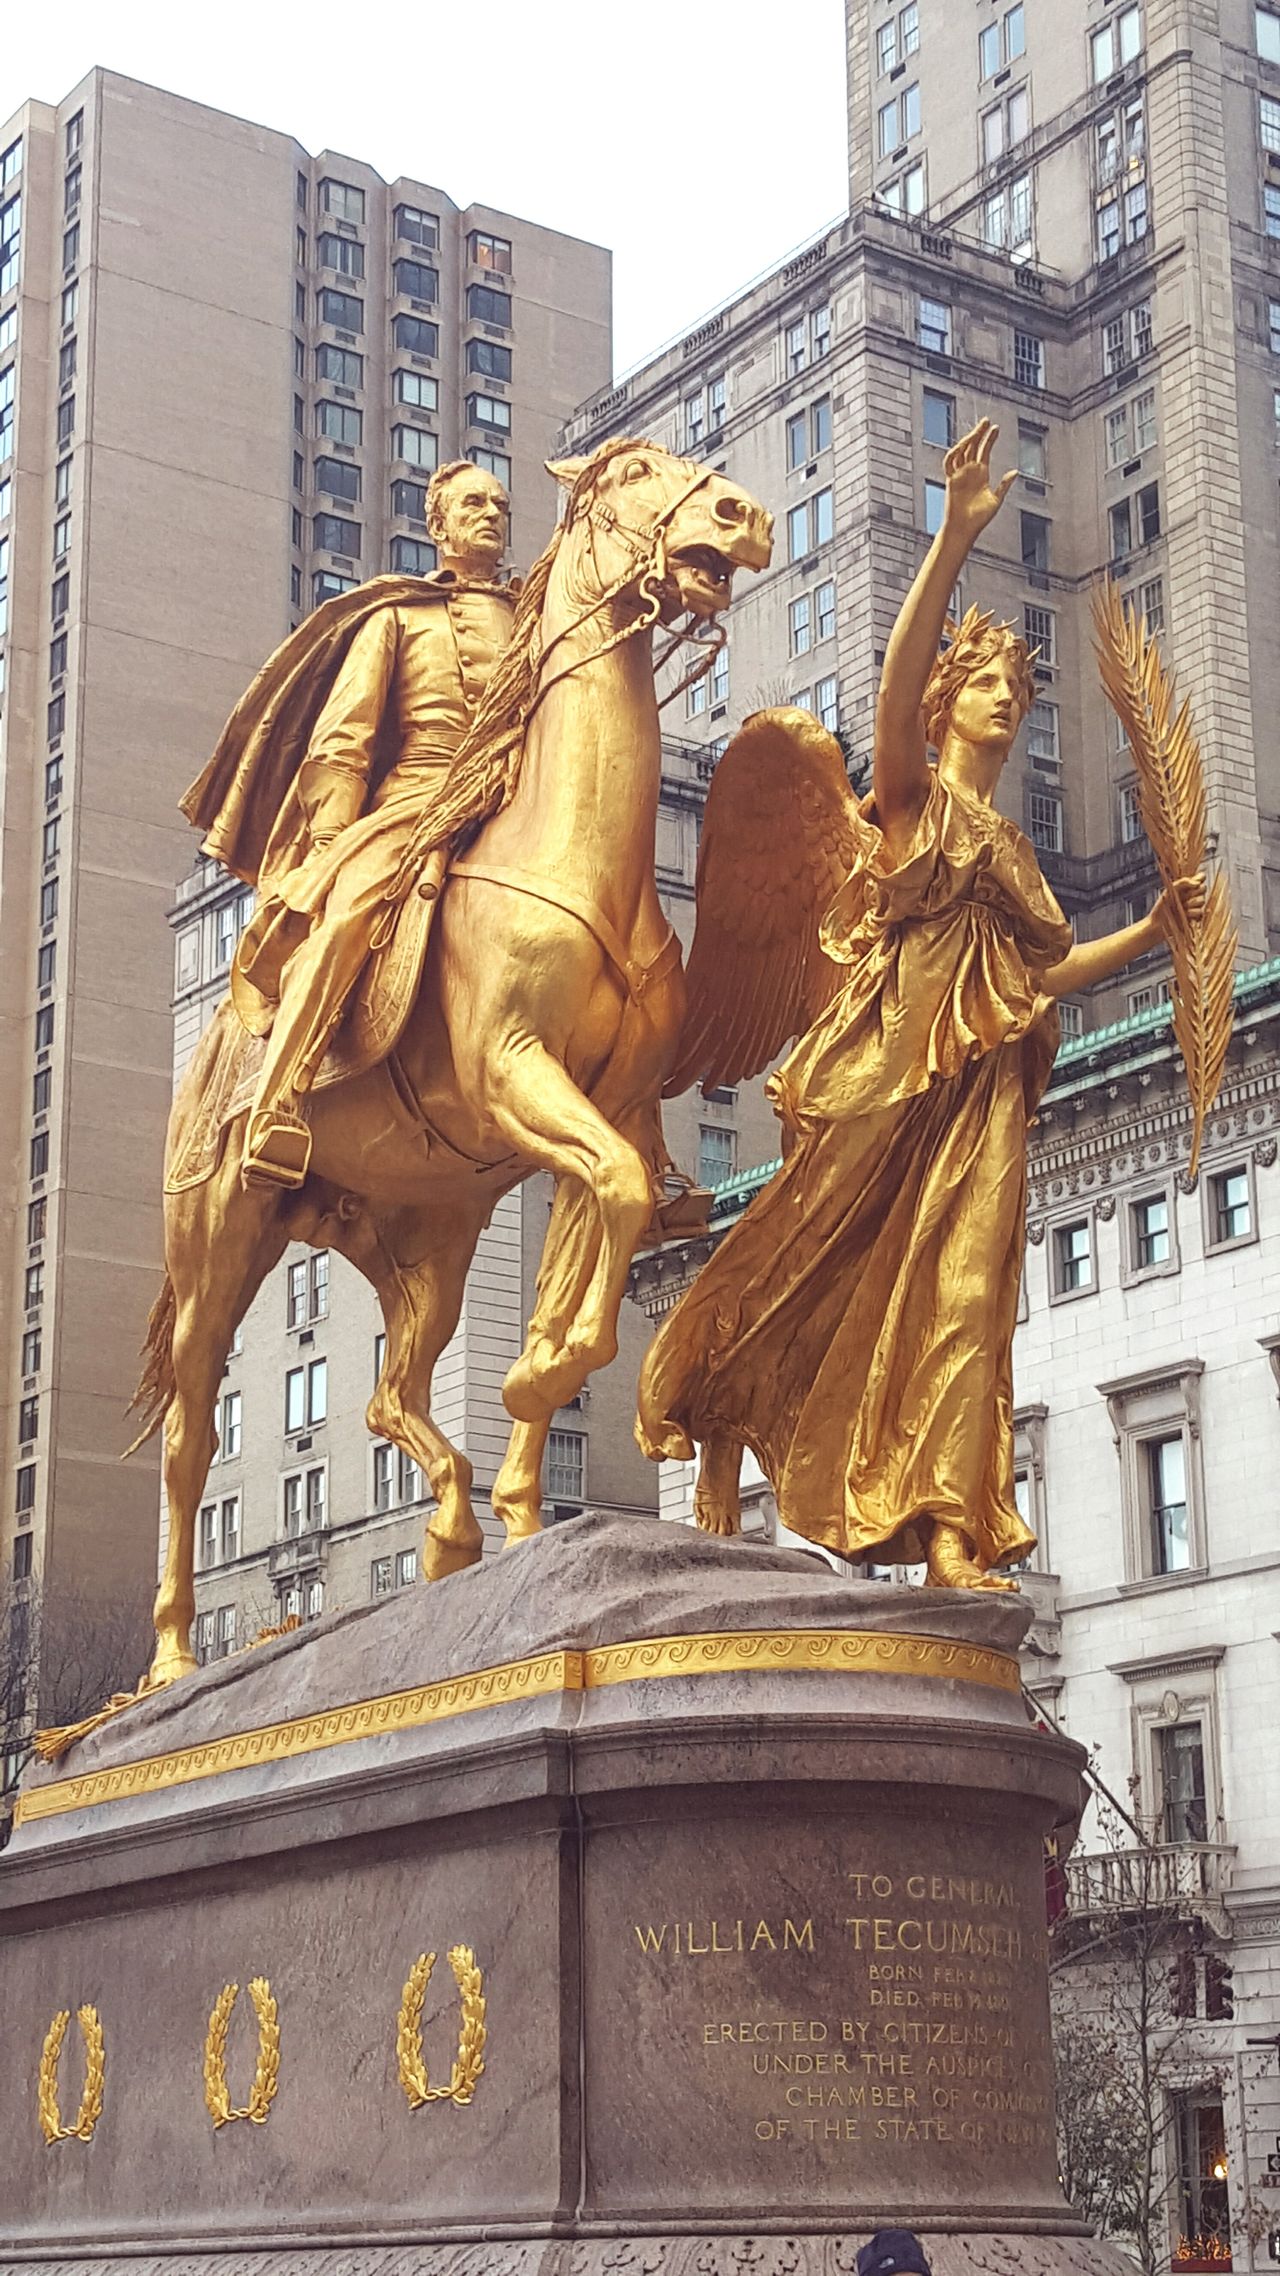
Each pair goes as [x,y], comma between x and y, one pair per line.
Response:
[1161,1664]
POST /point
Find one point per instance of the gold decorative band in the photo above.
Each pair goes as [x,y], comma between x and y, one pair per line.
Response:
[835,1651]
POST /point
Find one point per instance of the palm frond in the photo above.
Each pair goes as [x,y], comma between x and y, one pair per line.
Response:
[1171,803]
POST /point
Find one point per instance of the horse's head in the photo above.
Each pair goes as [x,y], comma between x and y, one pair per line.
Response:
[640,505]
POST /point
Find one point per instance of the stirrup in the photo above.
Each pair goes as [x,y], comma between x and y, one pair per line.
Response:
[277,1149]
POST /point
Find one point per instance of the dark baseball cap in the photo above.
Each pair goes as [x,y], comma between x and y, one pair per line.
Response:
[893,2252]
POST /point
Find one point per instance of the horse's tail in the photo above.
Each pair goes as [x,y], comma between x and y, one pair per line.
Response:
[156,1384]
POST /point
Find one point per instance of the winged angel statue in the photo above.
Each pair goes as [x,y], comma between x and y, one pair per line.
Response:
[855,1328]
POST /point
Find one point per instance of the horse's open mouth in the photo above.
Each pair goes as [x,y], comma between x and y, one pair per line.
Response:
[714,568]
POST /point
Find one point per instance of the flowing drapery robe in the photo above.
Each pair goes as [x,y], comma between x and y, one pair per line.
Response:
[855,1329]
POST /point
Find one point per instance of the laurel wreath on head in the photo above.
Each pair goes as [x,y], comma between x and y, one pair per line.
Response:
[468,2062]
[90,2110]
[266,2075]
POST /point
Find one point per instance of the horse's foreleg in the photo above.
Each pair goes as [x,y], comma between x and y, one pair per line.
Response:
[539,1108]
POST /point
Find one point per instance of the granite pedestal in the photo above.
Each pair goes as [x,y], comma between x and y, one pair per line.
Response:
[749,1858]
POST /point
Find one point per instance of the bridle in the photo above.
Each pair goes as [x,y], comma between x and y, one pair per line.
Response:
[647,547]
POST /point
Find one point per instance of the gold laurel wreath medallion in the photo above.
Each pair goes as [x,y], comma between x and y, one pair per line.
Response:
[90,2110]
[266,2075]
[468,2062]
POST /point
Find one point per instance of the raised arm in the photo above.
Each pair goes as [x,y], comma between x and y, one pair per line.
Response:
[901,769]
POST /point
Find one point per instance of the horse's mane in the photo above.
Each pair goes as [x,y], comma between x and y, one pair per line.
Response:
[486,765]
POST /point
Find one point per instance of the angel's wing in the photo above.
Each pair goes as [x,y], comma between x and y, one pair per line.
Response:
[781,832]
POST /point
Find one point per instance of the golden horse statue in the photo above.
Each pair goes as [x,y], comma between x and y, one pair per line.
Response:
[540,1039]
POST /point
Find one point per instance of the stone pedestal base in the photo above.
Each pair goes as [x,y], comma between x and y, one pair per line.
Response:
[733,1874]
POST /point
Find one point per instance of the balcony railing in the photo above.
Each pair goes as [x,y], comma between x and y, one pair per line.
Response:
[1169,1876]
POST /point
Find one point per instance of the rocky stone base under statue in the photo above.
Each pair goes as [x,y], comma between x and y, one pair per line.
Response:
[733,1874]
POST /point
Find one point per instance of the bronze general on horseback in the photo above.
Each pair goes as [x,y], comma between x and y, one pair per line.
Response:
[462,964]
[327,774]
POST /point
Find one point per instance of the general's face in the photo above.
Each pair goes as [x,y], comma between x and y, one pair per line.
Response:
[988,710]
[470,523]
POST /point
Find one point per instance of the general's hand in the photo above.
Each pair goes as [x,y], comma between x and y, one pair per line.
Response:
[1181,904]
[972,502]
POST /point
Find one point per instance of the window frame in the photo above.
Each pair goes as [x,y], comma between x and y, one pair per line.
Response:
[1067,1221]
[1133,1272]
[1214,1173]
[1151,1405]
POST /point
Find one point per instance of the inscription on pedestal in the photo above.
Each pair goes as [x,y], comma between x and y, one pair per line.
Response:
[887,2023]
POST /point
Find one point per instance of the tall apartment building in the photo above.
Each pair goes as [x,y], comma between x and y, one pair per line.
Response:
[227,369]
[1067,218]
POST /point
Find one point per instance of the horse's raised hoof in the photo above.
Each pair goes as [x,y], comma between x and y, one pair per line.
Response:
[440,1557]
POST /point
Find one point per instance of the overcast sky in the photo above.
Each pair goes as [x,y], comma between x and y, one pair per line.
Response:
[700,145]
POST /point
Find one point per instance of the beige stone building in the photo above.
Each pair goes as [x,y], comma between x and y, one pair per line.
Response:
[1067,218]
[227,369]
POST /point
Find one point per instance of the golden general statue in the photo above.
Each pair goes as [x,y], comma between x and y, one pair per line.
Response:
[855,1328]
[414,658]
[460,965]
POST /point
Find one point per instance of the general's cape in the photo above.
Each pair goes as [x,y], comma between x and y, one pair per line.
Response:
[239,798]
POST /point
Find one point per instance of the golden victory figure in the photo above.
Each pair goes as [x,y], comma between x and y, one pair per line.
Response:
[855,1328]
[460,963]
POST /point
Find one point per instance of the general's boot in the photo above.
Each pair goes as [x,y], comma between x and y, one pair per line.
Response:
[277,1149]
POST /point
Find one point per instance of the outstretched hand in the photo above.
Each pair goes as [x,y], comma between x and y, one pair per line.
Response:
[1180,906]
[972,500]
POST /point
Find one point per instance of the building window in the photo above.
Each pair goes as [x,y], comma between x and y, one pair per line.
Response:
[10,163]
[935,499]
[412,556]
[41,1091]
[1231,1212]
[1039,629]
[316,1498]
[495,462]
[33,1287]
[343,366]
[39,1156]
[417,280]
[306,1396]
[933,326]
[383,1476]
[409,1483]
[1266,36]
[801,626]
[486,252]
[339,423]
[566,1465]
[489,358]
[416,335]
[381,1581]
[292,1506]
[1042,737]
[939,419]
[720,675]
[338,480]
[230,1430]
[409,499]
[1202,2199]
[406,1567]
[416,446]
[1150,1231]
[1034,533]
[229,1529]
[827,703]
[1114,44]
[1151,603]
[1120,521]
[224,1635]
[22,1555]
[334,534]
[28,1418]
[1183,1792]
[1073,1257]
[825,604]
[810,525]
[25,1490]
[414,227]
[1169,1541]
[485,306]
[1269,122]
[717,1153]
[344,310]
[489,411]
[1028,359]
[343,200]
[345,254]
[1271,204]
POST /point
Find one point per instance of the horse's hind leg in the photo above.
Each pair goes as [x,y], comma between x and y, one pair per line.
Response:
[220,1242]
[417,1261]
